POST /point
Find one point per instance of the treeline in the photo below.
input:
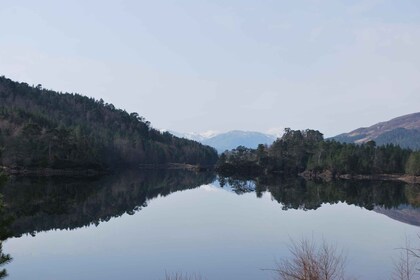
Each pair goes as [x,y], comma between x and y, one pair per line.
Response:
[44,128]
[299,151]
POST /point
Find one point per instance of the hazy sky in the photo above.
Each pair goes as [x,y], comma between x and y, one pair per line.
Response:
[223,65]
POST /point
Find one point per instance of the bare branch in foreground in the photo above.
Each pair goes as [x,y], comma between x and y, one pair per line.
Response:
[405,265]
[312,262]
[181,276]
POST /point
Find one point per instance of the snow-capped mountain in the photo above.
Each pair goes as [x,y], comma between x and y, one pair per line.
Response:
[229,140]
[196,136]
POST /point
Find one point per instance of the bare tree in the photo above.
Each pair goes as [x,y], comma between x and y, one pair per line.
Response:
[405,265]
[182,276]
[312,262]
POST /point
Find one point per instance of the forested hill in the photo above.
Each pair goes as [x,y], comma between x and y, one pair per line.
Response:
[42,128]
[403,131]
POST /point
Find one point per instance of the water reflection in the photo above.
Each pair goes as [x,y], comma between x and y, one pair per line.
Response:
[182,232]
[42,204]
[397,200]
[4,234]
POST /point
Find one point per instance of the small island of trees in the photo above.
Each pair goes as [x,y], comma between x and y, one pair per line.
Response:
[307,153]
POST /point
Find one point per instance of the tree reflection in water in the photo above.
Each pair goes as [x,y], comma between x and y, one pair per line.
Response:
[297,193]
[4,234]
[42,204]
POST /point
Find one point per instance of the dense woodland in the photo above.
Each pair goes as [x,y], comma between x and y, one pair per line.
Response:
[42,128]
[298,151]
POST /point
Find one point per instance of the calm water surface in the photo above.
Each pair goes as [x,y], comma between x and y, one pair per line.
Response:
[137,225]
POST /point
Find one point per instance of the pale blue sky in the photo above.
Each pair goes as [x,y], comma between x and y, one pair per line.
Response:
[223,65]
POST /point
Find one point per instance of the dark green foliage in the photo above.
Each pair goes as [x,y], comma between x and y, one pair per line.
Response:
[297,151]
[288,155]
[413,164]
[365,159]
[242,158]
[44,128]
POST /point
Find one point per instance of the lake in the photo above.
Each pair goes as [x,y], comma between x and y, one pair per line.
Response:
[141,224]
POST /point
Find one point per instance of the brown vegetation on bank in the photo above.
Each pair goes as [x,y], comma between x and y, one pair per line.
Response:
[328,176]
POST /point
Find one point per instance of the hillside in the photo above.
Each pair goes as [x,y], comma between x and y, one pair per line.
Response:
[231,139]
[41,128]
[403,131]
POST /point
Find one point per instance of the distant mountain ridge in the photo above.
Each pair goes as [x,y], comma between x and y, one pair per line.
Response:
[229,140]
[403,131]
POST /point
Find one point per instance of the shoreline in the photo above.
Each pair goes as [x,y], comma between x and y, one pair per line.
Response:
[177,166]
[51,172]
[89,172]
[308,175]
[329,176]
